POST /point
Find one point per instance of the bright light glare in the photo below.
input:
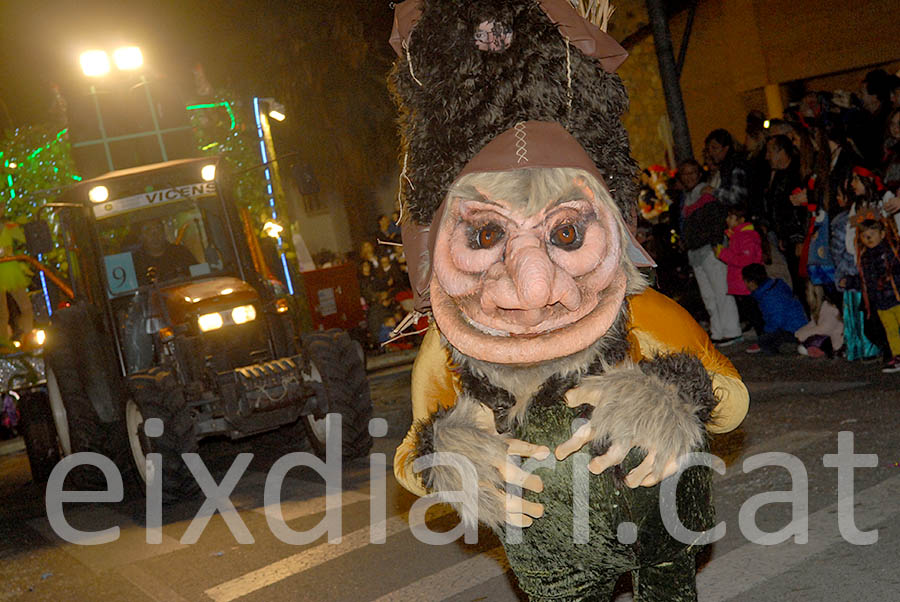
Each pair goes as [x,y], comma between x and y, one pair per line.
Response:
[95,63]
[276,115]
[208,322]
[243,314]
[98,194]
[226,291]
[272,229]
[208,173]
[40,336]
[766,124]
[13,165]
[128,58]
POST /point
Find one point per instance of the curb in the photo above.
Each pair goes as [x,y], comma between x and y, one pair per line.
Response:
[391,359]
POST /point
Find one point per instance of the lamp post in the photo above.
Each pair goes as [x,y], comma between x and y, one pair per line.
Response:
[272,173]
[96,64]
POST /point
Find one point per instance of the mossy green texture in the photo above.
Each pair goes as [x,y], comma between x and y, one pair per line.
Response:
[549,562]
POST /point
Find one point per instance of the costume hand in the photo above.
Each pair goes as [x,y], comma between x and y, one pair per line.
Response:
[643,475]
[519,512]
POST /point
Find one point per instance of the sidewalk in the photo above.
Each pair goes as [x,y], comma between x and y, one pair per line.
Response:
[12,446]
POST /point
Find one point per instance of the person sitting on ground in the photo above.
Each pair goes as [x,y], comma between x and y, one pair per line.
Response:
[781,311]
[879,270]
[823,337]
[170,261]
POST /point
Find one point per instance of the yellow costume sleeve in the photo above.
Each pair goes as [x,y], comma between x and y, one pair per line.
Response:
[657,325]
[434,385]
[662,326]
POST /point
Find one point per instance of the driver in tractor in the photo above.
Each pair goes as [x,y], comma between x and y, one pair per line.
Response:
[170,260]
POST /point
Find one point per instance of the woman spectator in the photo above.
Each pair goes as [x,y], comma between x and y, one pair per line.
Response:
[890,163]
[703,228]
[729,173]
[786,220]
[806,151]
[815,257]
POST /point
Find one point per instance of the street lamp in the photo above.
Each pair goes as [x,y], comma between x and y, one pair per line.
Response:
[128,58]
[276,110]
[272,175]
[95,63]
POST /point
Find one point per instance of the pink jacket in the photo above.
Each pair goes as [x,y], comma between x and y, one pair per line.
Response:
[744,247]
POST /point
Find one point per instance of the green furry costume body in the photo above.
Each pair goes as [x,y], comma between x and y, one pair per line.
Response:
[551,566]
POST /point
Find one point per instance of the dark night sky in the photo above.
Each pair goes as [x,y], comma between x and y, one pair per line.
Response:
[40,41]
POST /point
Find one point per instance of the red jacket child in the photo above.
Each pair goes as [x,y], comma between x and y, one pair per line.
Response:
[744,247]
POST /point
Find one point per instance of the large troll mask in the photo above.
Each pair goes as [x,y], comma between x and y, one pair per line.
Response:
[531,257]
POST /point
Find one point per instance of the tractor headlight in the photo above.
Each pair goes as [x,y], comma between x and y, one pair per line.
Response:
[208,172]
[243,314]
[98,194]
[40,336]
[212,321]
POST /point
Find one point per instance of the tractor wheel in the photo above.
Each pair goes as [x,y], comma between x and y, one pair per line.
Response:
[78,426]
[155,394]
[39,433]
[341,364]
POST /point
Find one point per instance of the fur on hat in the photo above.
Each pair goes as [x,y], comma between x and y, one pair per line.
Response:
[454,97]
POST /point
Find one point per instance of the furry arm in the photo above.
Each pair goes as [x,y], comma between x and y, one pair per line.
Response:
[465,462]
[661,326]
[658,405]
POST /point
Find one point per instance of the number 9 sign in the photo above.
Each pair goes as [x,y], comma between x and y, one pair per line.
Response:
[120,274]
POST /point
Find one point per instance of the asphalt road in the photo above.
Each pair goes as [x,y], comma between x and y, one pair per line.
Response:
[798,407]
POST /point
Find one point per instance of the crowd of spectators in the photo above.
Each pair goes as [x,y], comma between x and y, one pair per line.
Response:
[794,234]
[384,286]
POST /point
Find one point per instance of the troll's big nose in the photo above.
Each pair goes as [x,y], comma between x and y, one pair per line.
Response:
[531,271]
[531,281]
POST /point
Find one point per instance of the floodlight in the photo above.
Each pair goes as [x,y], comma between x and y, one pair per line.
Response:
[128,58]
[95,63]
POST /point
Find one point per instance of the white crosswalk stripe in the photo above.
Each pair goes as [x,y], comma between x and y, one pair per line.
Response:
[453,580]
[312,557]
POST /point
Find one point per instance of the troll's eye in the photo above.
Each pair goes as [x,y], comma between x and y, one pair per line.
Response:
[566,237]
[486,236]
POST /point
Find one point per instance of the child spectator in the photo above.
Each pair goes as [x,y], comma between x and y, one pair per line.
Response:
[879,270]
[781,311]
[824,335]
[866,190]
[744,247]
[857,346]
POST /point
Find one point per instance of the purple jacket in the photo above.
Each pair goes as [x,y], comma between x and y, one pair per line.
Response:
[744,247]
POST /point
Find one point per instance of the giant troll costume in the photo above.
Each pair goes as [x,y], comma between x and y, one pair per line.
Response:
[519,186]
